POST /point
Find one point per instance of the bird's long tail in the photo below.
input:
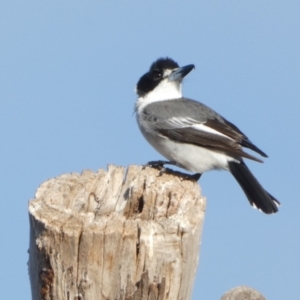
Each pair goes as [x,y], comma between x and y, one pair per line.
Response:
[256,194]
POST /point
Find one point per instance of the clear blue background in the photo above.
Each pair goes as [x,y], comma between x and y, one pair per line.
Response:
[67,75]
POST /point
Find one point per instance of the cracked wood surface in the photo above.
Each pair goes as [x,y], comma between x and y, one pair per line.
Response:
[127,234]
[243,293]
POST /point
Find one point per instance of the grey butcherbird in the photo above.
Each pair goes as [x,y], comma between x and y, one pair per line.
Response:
[193,136]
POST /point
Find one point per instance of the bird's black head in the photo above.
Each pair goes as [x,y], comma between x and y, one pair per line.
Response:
[155,75]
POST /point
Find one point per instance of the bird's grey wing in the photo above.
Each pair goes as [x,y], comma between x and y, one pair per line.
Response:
[188,121]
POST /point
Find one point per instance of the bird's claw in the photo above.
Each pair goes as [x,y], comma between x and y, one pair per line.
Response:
[195,177]
[159,164]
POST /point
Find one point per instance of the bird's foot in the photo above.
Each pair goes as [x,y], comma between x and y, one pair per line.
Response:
[159,164]
[195,177]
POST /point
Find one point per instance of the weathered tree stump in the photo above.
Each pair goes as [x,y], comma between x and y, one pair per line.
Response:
[243,293]
[121,234]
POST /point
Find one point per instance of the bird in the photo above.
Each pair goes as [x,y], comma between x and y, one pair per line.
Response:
[193,136]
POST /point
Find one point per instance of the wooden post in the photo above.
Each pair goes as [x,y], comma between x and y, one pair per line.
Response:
[243,292]
[122,234]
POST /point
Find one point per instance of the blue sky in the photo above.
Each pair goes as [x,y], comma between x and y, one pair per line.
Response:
[68,71]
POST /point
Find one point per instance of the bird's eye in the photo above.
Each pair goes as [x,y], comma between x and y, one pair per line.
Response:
[156,74]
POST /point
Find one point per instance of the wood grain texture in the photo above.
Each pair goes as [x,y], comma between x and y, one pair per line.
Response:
[118,234]
[243,293]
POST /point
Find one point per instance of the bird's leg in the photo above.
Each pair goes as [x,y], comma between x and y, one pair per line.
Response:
[160,163]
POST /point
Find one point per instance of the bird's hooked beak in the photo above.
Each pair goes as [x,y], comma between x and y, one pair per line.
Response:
[179,73]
